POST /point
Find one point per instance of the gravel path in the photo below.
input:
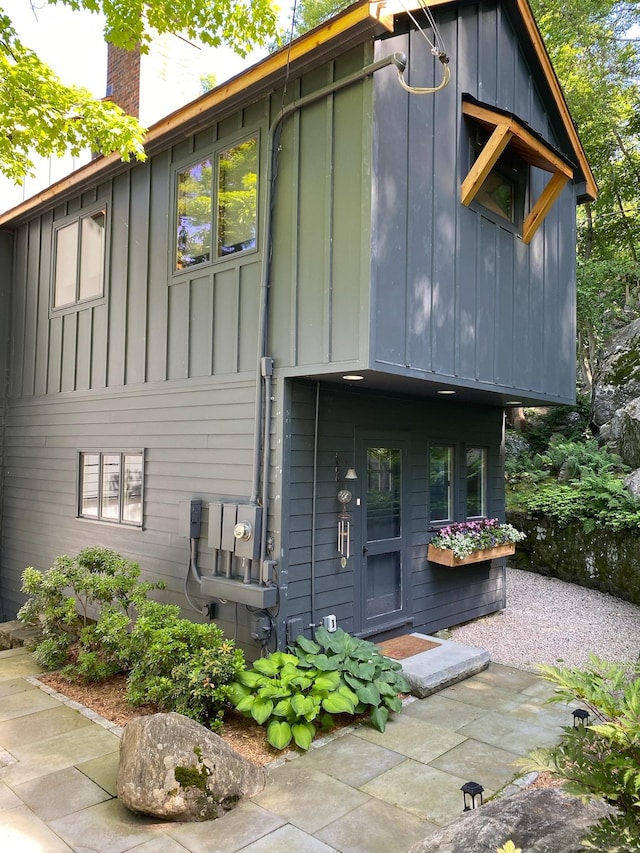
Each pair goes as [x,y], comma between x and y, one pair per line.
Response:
[550,621]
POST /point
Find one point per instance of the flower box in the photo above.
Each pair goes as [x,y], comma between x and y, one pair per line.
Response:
[445,556]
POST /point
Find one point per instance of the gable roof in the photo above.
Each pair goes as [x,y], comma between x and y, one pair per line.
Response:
[359,21]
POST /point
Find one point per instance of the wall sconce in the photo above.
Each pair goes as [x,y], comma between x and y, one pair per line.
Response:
[580,718]
[472,790]
[344,472]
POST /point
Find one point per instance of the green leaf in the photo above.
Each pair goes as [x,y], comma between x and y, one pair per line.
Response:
[352,681]
[348,692]
[250,678]
[261,709]
[365,671]
[282,708]
[324,663]
[245,704]
[323,637]
[307,645]
[237,692]
[327,681]
[301,705]
[303,734]
[385,688]
[336,703]
[379,717]
[394,703]
[266,666]
[369,695]
[279,734]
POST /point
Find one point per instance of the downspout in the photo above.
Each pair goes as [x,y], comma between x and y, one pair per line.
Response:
[261,424]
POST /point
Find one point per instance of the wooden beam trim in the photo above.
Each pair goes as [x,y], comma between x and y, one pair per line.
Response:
[543,152]
[543,205]
[487,159]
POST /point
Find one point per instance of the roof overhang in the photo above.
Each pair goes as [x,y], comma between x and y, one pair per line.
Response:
[507,130]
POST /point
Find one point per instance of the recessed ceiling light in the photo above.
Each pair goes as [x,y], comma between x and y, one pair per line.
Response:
[444,391]
[353,377]
[513,403]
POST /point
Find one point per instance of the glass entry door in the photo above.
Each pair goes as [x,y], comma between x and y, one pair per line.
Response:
[383,590]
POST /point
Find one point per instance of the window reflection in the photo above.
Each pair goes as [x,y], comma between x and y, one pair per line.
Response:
[440,477]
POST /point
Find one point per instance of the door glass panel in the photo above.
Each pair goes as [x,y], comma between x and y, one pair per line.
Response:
[384,584]
[440,470]
[111,486]
[383,493]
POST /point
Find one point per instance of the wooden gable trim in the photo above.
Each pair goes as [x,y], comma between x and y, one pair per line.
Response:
[508,131]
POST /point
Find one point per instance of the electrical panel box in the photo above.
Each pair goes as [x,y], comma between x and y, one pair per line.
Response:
[190,519]
[229,514]
[215,526]
[247,531]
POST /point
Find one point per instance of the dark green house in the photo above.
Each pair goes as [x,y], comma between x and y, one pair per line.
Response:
[319,272]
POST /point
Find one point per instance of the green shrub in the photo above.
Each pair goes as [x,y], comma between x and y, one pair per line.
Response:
[97,582]
[180,665]
[292,693]
[601,760]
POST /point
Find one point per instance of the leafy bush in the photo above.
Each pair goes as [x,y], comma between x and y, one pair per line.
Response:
[180,665]
[570,422]
[601,760]
[291,693]
[96,582]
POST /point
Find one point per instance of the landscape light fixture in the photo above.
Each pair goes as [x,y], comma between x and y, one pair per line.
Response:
[472,790]
[580,718]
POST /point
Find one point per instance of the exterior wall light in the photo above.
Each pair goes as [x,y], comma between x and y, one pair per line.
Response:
[444,392]
[471,790]
[344,472]
[352,377]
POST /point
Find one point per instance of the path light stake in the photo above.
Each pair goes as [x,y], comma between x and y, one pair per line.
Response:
[580,717]
[472,789]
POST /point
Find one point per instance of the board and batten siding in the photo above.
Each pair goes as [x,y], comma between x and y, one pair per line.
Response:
[440,597]
[456,294]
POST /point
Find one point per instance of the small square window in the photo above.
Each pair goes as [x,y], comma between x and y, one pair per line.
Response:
[78,269]
[110,487]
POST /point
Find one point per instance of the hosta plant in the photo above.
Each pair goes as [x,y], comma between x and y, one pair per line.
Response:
[293,693]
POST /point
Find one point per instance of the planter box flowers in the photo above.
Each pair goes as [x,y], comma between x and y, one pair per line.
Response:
[473,542]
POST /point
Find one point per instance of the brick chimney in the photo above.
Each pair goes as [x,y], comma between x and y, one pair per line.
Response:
[123,79]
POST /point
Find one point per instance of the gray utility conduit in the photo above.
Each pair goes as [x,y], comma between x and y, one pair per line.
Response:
[262,425]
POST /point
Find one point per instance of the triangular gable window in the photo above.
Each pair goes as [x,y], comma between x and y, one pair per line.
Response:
[507,137]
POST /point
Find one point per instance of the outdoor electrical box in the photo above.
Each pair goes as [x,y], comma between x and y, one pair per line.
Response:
[229,513]
[215,526]
[247,531]
[190,519]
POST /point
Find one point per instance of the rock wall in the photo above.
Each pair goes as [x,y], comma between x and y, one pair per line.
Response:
[603,560]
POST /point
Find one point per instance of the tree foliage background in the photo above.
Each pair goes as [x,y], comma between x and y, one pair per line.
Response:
[38,113]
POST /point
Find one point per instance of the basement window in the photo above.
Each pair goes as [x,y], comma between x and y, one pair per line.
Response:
[503,150]
[79,256]
[216,206]
[110,487]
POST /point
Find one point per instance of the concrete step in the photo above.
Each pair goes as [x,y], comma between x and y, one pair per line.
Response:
[444,664]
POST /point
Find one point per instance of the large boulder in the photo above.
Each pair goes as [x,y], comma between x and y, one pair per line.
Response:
[540,820]
[173,768]
[618,380]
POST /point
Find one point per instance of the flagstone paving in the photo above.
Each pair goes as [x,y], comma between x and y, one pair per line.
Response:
[360,792]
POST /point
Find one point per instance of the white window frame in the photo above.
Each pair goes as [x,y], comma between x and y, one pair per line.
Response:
[58,226]
[101,514]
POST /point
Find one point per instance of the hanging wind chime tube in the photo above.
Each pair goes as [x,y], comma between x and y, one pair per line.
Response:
[344,534]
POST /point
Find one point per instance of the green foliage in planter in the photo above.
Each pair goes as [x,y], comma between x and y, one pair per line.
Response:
[291,693]
[97,582]
[180,665]
[601,760]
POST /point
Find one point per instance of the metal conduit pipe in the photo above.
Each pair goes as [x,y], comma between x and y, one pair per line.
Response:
[261,425]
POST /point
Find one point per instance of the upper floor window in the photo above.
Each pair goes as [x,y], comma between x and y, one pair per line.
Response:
[110,487]
[78,270]
[217,217]
[476,482]
[504,149]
